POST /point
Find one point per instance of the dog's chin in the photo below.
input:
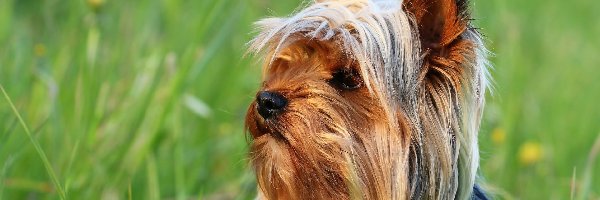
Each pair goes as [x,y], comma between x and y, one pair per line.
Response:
[288,170]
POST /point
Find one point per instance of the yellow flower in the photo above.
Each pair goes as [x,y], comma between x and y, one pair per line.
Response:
[530,153]
[95,4]
[39,50]
[498,136]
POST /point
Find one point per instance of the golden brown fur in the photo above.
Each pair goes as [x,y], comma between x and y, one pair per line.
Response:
[407,130]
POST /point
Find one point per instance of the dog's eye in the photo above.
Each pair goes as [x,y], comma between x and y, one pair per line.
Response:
[346,79]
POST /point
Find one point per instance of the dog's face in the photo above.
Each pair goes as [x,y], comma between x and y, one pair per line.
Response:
[312,113]
[367,100]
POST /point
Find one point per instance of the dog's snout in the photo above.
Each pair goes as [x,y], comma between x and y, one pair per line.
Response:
[270,103]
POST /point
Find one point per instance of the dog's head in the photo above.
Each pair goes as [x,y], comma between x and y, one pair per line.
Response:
[368,99]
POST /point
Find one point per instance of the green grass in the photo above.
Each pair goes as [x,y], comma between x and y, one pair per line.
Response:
[146,100]
[37,147]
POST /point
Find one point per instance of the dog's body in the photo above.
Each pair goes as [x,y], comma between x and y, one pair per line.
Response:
[369,100]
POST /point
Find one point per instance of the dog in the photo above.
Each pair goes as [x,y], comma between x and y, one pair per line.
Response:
[369,99]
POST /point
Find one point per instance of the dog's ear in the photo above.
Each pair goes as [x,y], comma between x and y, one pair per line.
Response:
[444,49]
[440,22]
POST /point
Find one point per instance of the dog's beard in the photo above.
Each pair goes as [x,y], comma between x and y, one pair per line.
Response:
[302,155]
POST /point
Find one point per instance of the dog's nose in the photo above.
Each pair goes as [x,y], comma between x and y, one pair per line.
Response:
[270,103]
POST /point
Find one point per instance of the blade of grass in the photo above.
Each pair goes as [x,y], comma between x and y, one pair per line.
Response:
[153,181]
[179,169]
[573,182]
[586,184]
[70,165]
[129,195]
[7,164]
[37,147]
[29,185]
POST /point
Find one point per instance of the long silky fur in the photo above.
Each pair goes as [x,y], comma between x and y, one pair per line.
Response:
[423,144]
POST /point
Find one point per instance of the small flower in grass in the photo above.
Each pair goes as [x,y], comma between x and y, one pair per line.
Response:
[530,153]
[498,136]
[39,50]
[95,4]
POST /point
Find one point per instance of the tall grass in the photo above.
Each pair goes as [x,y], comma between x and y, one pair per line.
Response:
[146,99]
[545,104]
[37,147]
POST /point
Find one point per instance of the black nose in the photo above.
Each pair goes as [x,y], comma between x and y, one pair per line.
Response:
[270,103]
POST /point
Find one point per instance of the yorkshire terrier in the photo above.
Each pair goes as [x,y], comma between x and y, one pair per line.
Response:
[369,99]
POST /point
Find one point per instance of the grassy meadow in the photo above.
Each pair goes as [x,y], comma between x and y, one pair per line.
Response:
[106,99]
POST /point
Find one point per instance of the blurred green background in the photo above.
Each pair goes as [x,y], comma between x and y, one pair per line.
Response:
[146,99]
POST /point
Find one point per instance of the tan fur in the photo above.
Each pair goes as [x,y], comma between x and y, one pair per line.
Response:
[409,131]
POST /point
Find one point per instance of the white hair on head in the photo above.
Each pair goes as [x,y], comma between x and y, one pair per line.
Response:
[384,39]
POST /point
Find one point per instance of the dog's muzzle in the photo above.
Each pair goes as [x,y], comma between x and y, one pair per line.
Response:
[270,104]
